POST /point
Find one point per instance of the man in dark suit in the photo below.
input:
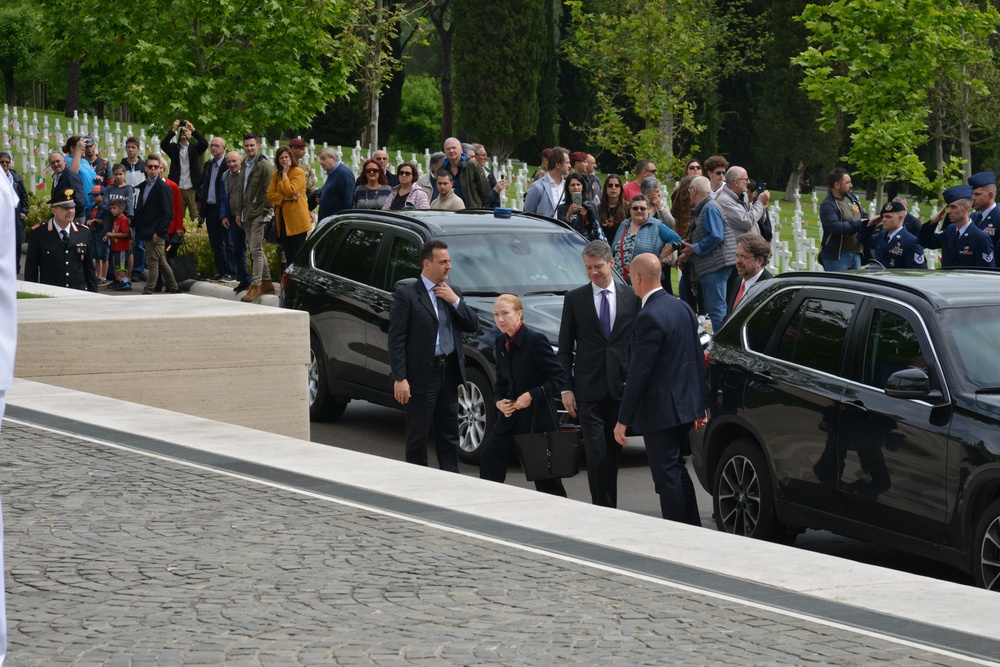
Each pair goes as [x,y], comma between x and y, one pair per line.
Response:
[21,209]
[426,323]
[213,203]
[59,251]
[665,392]
[986,214]
[892,246]
[593,347]
[154,212]
[337,193]
[752,254]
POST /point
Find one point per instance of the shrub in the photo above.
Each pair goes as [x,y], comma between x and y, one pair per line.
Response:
[419,124]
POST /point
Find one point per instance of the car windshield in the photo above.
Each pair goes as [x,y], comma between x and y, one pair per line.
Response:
[517,262]
[975,332]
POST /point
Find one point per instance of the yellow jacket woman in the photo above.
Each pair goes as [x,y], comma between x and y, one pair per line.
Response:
[287,191]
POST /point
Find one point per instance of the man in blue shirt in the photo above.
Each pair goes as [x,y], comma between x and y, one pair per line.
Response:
[712,250]
[961,243]
[894,247]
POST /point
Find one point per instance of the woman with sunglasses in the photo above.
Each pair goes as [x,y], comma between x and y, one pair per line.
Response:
[612,208]
[642,233]
[374,191]
[406,195]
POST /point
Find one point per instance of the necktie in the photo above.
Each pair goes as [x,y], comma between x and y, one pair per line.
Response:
[65,236]
[605,314]
[445,338]
[739,295]
[976,217]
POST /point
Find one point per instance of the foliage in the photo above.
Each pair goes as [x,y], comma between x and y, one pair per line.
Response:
[233,66]
[872,61]
[39,210]
[645,58]
[196,243]
[420,120]
[17,25]
[376,27]
[496,79]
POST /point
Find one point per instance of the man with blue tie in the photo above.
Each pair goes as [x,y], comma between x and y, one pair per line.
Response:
[893,246]
[426,322]
[986,215]
[961,243]
[665,391]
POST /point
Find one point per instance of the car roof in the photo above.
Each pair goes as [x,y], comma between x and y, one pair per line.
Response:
[469,221]
[941,288]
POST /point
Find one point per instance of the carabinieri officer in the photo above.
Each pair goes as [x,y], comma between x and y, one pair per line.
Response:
[59,251]
[893,246]
[961,243]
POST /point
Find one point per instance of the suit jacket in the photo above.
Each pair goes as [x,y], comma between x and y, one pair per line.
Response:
[52,262]
[903,252]
[155,214]
[666,370]
[22,194]
[413,331]
[594,367]
[539,198]
[733,287]
[221,189]
[530,366]
[196,146]
[337,193]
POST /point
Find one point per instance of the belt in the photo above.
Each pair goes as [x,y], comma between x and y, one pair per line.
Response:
[440,358]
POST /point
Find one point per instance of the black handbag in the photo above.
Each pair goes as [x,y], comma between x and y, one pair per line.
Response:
[271,231]
[552,455]
[183,266]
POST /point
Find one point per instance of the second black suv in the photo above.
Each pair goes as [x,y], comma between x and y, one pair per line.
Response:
[867,404]
[346,274]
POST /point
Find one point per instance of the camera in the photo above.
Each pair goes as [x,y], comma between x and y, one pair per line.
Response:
[761,187]
[183,123]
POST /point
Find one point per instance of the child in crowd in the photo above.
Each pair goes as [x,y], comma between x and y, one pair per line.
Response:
[98,243]
[121,243]
[120,188]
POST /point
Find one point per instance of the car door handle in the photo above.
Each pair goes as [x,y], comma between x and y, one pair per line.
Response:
[857,405]
[378,307]
[763,376]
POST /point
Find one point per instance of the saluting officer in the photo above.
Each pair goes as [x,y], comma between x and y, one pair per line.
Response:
[893,247]
[961,243]
[986,215]
[59,251]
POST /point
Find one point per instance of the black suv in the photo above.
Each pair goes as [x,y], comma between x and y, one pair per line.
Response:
[867,404]
[346,274]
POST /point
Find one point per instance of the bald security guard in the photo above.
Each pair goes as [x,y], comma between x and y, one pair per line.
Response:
[961,243]
[893,247]
[985,214]
[59,251]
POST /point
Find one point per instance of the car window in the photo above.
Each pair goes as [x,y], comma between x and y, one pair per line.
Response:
[892,346]
[762,323]
[815,335]
[356,256]
[517,262]
[404,262]
[326,247]
[975,332]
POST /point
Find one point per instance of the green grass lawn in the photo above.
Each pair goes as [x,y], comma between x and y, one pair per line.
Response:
[28,295]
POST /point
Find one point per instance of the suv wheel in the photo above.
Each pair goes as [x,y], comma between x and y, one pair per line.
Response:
[986,550]
[322,406]
[475,415]
[742,496]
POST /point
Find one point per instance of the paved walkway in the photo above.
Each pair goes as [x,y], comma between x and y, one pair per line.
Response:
[120,557]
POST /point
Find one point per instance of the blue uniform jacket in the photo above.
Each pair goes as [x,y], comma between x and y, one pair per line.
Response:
[901,252]
[990,224]
[972,248]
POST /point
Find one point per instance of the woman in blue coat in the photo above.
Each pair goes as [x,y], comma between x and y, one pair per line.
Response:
[528,376]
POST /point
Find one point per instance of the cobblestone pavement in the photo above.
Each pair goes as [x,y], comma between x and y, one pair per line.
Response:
[118,558]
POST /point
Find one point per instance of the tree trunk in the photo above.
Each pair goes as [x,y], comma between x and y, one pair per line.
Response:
[793,181]
[965,140]
[73,87]
[447,95]
[667,134]
[8,81]
[879,189]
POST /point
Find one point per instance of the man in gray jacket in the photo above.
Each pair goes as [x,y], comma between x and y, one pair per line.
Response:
[254,214]
[734,204]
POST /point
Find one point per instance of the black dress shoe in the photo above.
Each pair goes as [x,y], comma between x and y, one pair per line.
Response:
[242,286]
[217,276]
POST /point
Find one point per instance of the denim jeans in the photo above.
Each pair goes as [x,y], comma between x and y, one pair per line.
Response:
[847,261]
[238,239]
[713,287]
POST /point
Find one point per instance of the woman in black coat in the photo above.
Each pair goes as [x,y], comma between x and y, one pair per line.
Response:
[528,375]
[580,213]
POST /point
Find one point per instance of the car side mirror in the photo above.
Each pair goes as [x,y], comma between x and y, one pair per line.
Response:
[908,383]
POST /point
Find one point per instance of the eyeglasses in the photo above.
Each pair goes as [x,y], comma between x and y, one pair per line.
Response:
[614,185]
[405,173]
[745,258]
[639,209]
[371,171]
[651,171]
[695,166]
[720,172]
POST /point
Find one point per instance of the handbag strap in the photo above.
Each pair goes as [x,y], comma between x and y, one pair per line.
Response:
[534,411]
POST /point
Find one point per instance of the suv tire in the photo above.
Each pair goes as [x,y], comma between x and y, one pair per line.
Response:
[322,406]
[476,415]
[986,549]
[742,497]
